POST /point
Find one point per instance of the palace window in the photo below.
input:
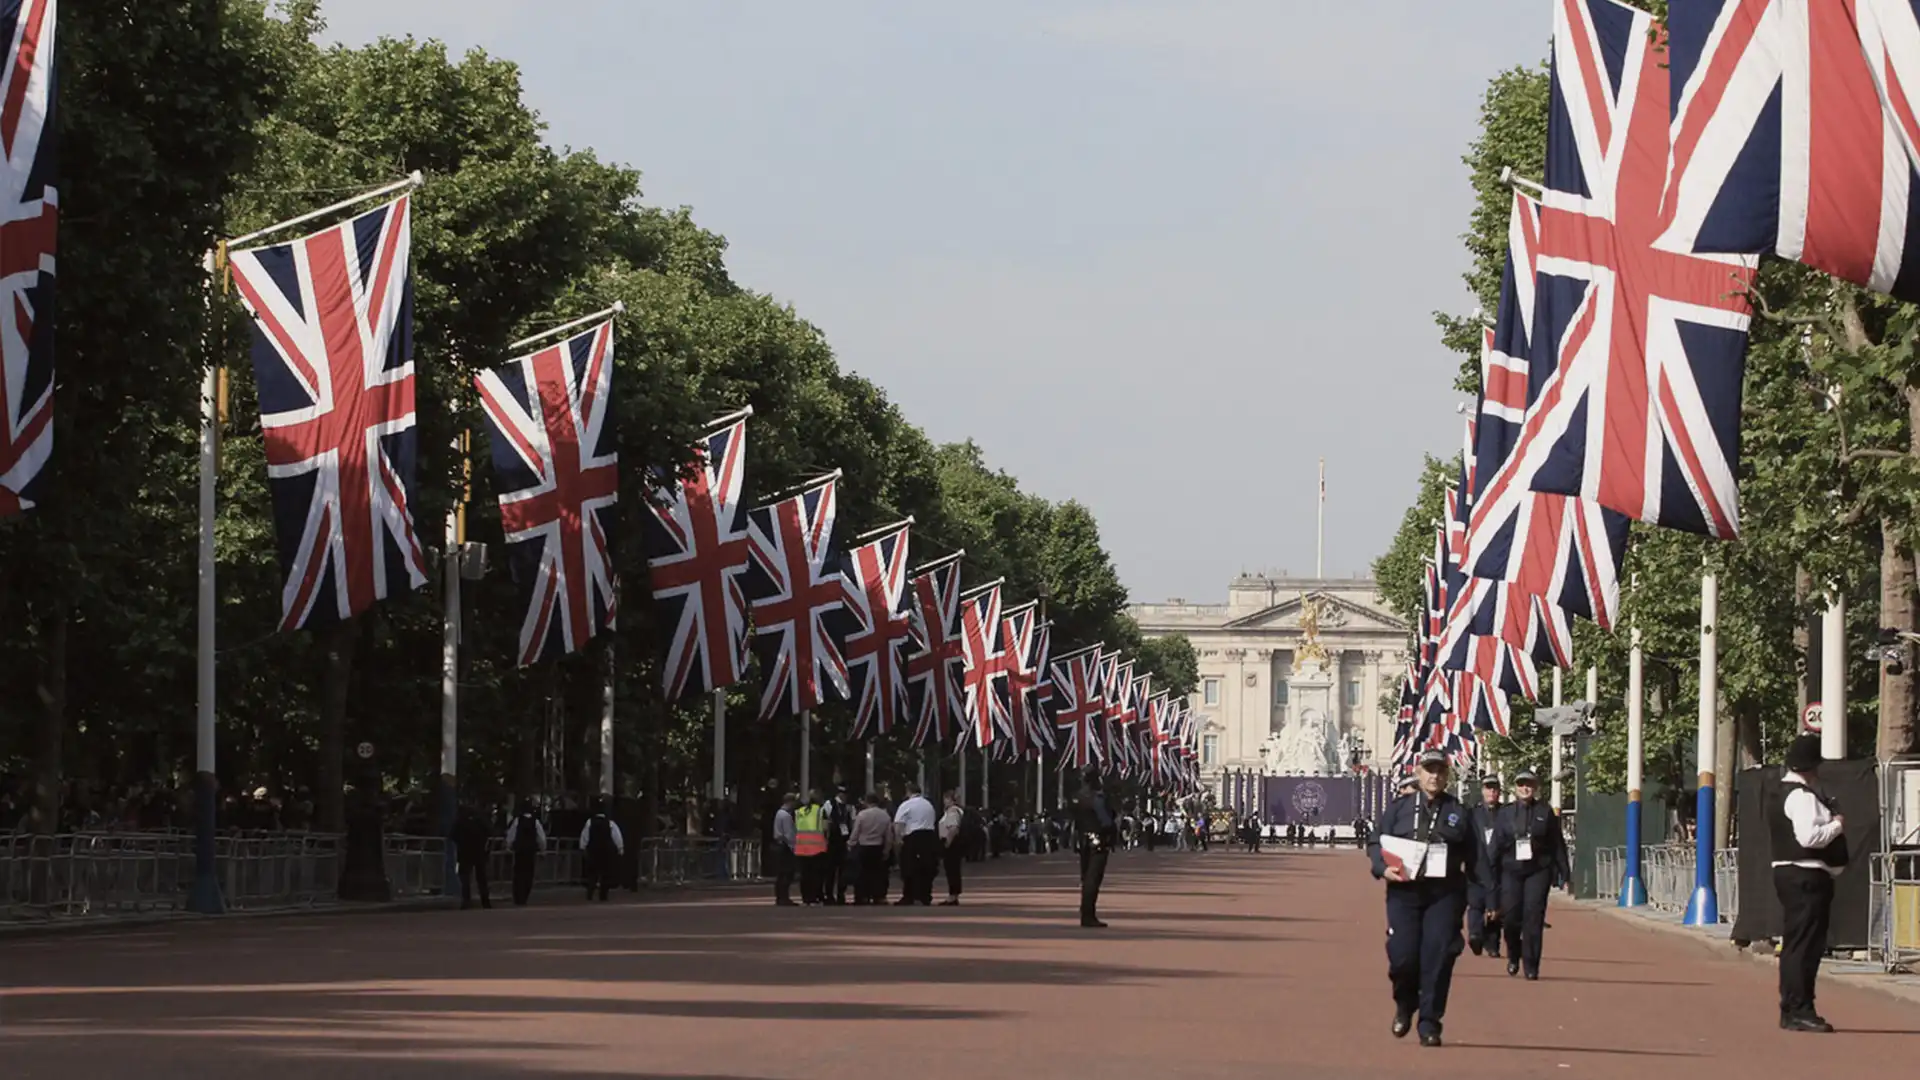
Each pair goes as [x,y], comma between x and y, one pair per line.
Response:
[1209,749]
[1211,691]
[1353,693]
[1280,694]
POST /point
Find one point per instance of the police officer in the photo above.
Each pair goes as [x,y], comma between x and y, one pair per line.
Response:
[1427,851]
[1531,851]
[1095,821]
[526,838]
[1809,852]
[1482,932]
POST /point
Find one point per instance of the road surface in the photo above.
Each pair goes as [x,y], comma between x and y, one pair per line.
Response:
[1218,964]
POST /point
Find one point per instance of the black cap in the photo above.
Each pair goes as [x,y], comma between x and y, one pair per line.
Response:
[1525,776]
[1804,753]
[1490,782]
[1432,757]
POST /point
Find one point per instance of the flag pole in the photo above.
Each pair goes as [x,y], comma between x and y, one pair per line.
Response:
[205,897]
[606,726]
[806,752]
[720,744]
[450,667]
[619,308]
[413,180]
[1320,529]
[1704,908]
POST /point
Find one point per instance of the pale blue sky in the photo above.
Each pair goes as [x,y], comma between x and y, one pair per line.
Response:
[1155,256]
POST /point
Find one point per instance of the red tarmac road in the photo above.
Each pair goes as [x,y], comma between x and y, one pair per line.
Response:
[1219,964]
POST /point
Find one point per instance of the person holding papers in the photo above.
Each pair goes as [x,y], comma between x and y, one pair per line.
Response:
[1530,850]
[1426,850]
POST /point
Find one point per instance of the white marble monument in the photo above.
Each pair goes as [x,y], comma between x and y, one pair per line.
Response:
[1308,743]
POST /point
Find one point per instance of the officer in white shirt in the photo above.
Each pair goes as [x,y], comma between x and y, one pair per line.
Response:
[915,822]
[1809,851]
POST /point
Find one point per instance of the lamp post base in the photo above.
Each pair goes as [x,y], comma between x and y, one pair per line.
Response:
[205,898]
[1633,892]
[1703,908]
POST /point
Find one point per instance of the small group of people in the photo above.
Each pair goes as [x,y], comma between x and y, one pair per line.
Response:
[601,847]
[1443,865]
[839,847]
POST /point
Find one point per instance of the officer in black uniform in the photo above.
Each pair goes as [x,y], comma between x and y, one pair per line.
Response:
[1484,933]
[1809,852]
[1095,822]
[1426,894]
[1531,852]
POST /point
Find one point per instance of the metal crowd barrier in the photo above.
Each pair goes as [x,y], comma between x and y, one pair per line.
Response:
[111,875]
[1893,910]
[1667,872]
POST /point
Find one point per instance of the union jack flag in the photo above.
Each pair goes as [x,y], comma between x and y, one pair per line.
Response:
[1025,639]
[1079,706]
[936,672]
[1040,714]
[1561,547]
[1157,717]
[1793,132]
[985,651]
[795,588]
[553,452]
[696,539]
[29,212]
[1642,411]
[333,358]
[876,648]
[1117,678]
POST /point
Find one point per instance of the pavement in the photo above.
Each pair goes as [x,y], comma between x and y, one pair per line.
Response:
[1216,964]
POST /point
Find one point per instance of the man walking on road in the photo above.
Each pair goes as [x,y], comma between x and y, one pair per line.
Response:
[1482,895]
[1428,853]
[601,847]
[526,838]
[784,838]
[1531,851]
[470,838]
[915,822]
[1809,851]
[1094,821]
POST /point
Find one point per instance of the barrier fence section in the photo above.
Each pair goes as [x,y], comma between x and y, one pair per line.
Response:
[109,875]
[1667,872]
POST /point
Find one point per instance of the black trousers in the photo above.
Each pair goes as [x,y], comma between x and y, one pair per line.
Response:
[871,885]
[1479,934]
[1093,871]
[840,871]
[813,878]
[919,863]
[783,860]
[1523,914]
[1423,940]
[601,870]
[470,870]
[1806,908]
[952,860]
[523,877]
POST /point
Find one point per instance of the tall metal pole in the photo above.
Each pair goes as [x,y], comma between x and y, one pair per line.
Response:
[205,897]
[870,786]
[806,753]
[986,760]
[450,693]
[1556,763]
[1633,890]
[720,744]
[1703,909]
[1833,678]
[606,728]
[962,786]
[1320,527]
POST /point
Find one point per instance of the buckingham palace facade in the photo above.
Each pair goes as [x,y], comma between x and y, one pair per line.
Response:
[1251,700]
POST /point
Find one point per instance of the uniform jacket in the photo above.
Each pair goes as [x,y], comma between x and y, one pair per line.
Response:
[1093,815]
[1537,821]
[1485,820]
[1451,822]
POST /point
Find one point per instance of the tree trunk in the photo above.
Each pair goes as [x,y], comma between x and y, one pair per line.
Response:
[1752,751]
[337,643]
[1895,736]
[1726,753]
[1802,642]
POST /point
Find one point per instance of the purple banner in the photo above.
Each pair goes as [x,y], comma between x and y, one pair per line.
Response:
[1311,800]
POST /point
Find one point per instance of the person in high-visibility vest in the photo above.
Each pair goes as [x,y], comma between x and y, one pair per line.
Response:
[810,847]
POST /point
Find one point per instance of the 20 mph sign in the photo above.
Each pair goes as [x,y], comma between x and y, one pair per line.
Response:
[1810,720]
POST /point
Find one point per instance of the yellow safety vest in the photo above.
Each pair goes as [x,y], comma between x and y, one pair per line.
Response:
[809,837]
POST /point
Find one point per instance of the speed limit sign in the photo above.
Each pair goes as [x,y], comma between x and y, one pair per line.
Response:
[1810,720]
[365,750]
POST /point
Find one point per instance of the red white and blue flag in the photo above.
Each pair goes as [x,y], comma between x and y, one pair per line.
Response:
[333,361]
[1640,411]
[985,650]
[29,213]
[696,540]
[558,476]
[1794,131]
[795,589]
[1023,636]
[1080,707]
[876,646]
[936,670]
